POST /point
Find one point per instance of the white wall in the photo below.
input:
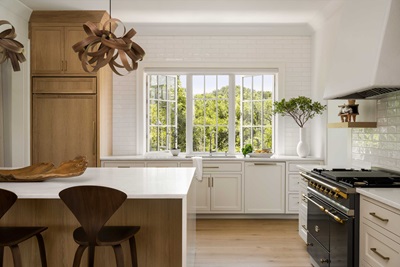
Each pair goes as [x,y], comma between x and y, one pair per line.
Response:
[16,90]
[334,145]
[223,46]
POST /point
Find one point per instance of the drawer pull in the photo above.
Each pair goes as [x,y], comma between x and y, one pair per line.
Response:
[264,163]
[123,166]
[373,214]
[211,167]
[324,260]
[374,250]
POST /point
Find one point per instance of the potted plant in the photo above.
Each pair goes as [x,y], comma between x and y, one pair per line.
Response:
[301,109]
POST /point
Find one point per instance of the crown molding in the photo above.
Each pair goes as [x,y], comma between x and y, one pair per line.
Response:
[219,29]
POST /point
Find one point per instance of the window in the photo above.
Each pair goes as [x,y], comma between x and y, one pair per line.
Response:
[204,112]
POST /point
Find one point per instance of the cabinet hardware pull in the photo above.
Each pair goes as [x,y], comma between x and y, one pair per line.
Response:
[212,181]
[62,65]
[334,189]
[324,260]
[208,181]
[94,138]
[123,166]
[373,214]
[264,163]
[211,167]
[379,254]
[309,244]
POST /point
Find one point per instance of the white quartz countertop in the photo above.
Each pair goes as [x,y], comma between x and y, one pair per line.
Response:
[388,196]
[145,183]
[182,157]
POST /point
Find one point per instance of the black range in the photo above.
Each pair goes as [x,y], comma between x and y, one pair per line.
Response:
[333,212]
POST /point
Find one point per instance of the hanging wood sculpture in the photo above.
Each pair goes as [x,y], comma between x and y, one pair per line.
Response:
[10,48]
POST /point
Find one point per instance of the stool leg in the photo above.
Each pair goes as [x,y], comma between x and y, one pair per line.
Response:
[1,256]
[132,244]
[16,256]
[119,255]
[42,250]
[78,256]
[91,256]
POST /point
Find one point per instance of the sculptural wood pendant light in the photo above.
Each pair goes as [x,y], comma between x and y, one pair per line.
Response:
[103,47]
[10,48]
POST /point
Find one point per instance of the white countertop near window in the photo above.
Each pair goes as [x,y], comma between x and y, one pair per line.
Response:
[182,157]
[144,183]
[388,196]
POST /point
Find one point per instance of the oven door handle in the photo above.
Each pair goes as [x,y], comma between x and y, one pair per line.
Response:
[336,218]
[315,203]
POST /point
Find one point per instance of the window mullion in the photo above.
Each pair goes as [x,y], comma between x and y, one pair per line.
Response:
[189,113]
[232,113]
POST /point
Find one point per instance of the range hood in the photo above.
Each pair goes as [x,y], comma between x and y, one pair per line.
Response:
[366,58]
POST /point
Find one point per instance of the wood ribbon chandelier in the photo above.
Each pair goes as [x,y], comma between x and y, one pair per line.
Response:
[10,48]
[103,47]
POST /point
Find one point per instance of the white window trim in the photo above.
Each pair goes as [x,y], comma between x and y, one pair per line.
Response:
[203,68]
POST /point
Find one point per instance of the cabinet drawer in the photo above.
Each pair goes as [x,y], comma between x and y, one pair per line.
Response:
[222,166]
[186,164]
[381,215]
[377,249]
[64,85]
[293,182]
[293,202]
[162,164]
[122,164]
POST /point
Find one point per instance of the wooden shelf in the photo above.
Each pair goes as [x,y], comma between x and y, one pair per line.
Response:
[352,125]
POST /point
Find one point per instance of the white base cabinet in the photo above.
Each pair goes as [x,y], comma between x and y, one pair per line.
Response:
[221,188]
[379,234]
[220,193]
[264,187]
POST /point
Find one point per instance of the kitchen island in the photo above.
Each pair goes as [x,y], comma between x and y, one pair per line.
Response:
[160,200]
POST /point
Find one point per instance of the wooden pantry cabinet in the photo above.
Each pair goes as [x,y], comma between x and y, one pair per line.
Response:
[52,34]
[71,110]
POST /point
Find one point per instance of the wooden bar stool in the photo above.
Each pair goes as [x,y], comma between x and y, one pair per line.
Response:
[93,206]
[11,236]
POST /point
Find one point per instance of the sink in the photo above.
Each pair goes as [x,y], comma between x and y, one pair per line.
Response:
[213,156]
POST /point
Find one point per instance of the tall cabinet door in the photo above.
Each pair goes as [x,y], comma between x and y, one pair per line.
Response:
[72,63]
[63,127]
[47,50]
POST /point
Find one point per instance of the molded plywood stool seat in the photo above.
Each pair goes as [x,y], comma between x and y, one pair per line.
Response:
[11,236]
[93,206]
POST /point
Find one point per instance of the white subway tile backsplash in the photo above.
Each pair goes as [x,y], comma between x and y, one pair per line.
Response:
[293,51]
[384,141]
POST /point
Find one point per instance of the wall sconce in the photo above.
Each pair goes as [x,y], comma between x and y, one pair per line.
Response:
[10,48]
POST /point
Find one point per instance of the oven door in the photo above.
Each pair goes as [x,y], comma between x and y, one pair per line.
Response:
[333,231]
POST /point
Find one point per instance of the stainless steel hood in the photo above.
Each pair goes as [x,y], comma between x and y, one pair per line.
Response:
[366,60]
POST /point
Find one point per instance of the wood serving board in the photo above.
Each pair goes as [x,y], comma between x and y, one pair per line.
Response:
[43,171]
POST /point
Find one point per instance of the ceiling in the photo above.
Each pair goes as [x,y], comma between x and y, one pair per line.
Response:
[198,11]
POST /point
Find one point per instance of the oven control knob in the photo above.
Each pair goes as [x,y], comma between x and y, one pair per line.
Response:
[326,191]
[336,196]
[317,187]
[321,189]
[330,193]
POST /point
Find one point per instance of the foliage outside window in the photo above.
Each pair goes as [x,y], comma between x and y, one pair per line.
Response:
[168,114]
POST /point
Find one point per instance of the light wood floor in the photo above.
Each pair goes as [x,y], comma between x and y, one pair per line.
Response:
[249,243]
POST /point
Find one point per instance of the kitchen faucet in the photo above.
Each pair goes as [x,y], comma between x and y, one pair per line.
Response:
[211,143]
